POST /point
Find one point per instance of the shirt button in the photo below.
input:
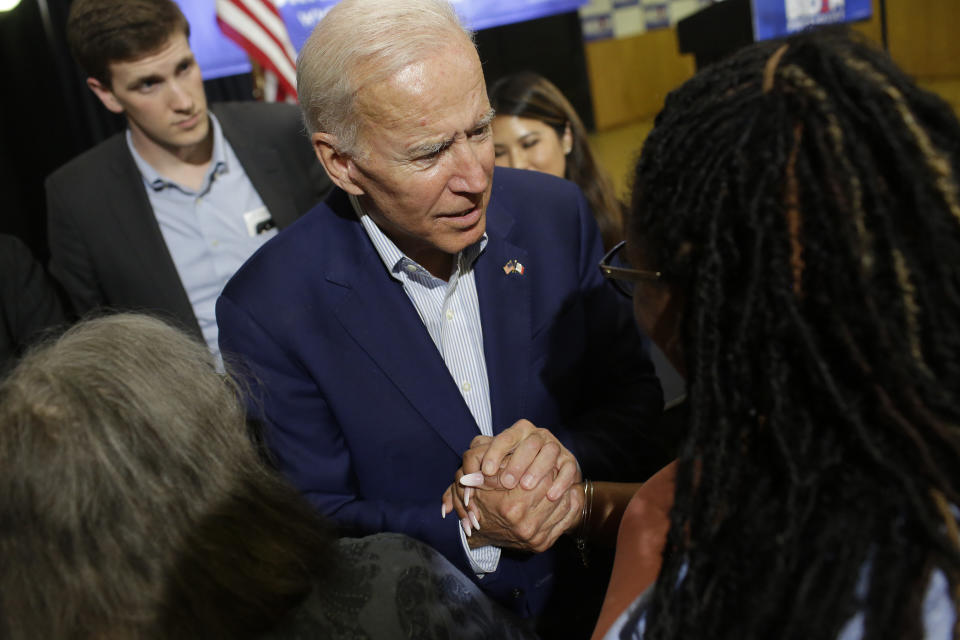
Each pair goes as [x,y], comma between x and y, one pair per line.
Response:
[411,268]
[466,386]
[216,243]
[516,593]
[449,314]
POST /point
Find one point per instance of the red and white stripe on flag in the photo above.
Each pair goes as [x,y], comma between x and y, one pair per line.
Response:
[256,25]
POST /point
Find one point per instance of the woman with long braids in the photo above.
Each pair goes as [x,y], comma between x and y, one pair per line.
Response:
[794,248]
[800,204]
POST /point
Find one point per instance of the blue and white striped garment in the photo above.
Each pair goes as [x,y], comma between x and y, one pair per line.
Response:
[450,311]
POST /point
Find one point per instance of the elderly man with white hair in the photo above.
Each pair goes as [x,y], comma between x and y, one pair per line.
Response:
[432,300]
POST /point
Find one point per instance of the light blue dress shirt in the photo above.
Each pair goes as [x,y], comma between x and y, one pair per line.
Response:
[450,310]
[209,232]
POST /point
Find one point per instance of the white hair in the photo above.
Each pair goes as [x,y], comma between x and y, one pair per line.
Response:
[361,42]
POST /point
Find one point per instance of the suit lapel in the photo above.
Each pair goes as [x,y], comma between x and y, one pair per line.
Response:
[134,219]
[381,319]
[505,315]
[263,166]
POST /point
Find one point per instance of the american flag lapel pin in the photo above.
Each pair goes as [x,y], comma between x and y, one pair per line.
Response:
[513,266]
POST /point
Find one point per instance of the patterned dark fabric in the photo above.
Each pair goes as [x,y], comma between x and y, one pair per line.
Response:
[389,586]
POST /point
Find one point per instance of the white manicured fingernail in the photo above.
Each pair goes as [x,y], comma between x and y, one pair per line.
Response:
[466,526]
[473,519]
[466,496]
[443,511]
[472,480]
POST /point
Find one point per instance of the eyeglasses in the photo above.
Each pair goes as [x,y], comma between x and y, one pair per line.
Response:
[615,268]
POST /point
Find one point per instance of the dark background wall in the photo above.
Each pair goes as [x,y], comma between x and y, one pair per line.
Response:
[37,122]
[551,46]
[48,116]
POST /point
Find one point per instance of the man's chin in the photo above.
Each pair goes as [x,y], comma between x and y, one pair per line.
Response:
[199,133]
[192,139]
[468,235]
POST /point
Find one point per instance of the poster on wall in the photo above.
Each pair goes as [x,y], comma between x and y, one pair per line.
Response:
[656,15]
[596,20]
[218,56]
[775,18]
[623,18]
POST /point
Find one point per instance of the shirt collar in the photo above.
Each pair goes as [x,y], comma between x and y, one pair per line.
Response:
[152,178]
[395,260]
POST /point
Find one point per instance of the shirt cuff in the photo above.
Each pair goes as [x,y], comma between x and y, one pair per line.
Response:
[484,559]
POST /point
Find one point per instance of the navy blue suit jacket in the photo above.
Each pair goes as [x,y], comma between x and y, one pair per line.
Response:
[360,410]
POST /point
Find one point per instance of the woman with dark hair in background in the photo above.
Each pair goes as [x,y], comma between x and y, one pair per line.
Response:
[537,128]
[134,506]
[794,245]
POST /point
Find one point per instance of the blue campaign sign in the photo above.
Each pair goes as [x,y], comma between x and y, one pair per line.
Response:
[483,14]
[775,18]
[219,56]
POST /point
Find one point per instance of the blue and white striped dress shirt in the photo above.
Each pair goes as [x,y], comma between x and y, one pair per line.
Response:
[450,311]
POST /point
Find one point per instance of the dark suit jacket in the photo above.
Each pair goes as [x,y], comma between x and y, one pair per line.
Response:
[363,415]
[106,246]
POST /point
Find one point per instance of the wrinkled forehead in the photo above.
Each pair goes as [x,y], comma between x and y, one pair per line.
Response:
[386,57]
[446,85]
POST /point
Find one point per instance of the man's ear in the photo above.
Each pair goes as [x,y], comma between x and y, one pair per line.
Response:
[105,94]
[337,164]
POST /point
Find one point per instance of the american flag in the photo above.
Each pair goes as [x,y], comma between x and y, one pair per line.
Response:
[256,25]
[513,266]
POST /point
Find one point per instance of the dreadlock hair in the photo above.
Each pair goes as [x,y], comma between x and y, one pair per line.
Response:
[802,196]
[529,95]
